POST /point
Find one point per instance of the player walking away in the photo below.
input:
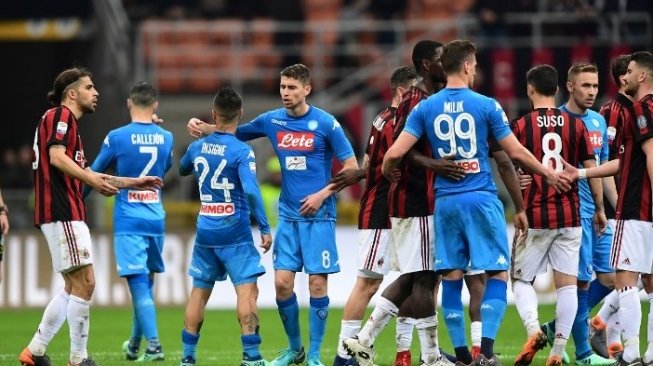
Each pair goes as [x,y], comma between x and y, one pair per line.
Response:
[555,235]
[140,148]
[374,244]
[225,169]
[605,335]
[60,213]
[459,122]
[305,139]
[4,229]
[630,254]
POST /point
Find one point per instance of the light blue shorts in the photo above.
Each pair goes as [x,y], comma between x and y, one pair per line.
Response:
[307,245]
[136,254]
[594,251]
[242,263]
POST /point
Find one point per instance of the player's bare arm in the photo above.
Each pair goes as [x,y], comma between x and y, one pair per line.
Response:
[444,167]
[312,203]
[596,186]
[198,128]
[348,177]
[395,153]
[4,216]
[61,161]
[608,169]
[509,177]
[147,183]
[610,191]
[647,147]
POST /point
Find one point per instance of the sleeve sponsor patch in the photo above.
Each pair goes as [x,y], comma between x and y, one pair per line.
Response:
[252,166]
[62,128]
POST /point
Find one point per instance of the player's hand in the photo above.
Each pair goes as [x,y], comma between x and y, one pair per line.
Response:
[266,242]
[346,178]
[101,183]
[570,171]
[147,183]
[525,179]
[600,222]
[445,167]
[156,119]
[521,223]
[4,223]
[195,127]
[393,175]
[311,204]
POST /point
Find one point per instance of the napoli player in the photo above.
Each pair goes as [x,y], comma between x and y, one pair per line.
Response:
[140,148]
[225,169]
[305,139]
[459,122]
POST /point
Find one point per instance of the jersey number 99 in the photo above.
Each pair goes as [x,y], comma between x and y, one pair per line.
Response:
[454,130]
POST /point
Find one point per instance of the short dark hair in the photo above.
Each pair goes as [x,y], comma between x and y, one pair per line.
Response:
[544,79]
[581,67]
[643,59]
[424,50]
[455,53]
[402,76]
[63,81]
[227,103]
[299,72]
[142,94]
[619,67]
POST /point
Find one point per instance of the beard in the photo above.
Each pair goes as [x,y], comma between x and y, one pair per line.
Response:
[631,90]
[88,107]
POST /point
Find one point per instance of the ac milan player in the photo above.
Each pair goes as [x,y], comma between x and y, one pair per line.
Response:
[555,236]
[631,254]
[373,220]
[60,213]
[306,139]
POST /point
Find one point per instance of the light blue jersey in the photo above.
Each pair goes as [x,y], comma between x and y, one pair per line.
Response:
[135,150]
[225,169]
[305,146]
[597,130]
[460,122]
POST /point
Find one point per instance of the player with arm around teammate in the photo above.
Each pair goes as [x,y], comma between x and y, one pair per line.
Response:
[225,169]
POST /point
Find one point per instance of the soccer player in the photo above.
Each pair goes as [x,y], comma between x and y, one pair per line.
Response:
[373,220]
[60,213]
[630,254]
[605,337]
[225,169]
[4,229]
[459,122]
[555,234]
[140,148]
[306,139]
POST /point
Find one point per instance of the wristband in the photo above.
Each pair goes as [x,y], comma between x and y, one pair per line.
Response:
[582,173]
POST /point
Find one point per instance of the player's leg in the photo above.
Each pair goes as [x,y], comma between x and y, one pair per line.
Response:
[602,333]
[528,261]
[320,258]
[475,282]
[373,264]
[404,333]
[288,261]
[425,315]
[647,282]
[243,265]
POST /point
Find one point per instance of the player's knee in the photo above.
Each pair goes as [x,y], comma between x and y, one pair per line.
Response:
[317,285]
[284,287]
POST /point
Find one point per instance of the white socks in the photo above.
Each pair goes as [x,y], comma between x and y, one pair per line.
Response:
[348,329]
[565,314]
[630,318]
[78,321]
[427,330]
[404,333]
[526,302]
[476,333]
[381,315]
[53,318]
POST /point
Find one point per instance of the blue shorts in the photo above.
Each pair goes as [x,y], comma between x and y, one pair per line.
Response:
[310,245]
[210,264]
[470,232]
[136,254]
[594,251]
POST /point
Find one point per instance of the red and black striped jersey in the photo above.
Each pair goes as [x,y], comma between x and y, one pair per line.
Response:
[552,135]
[374,208]
[58,197]
[615,113]
[634,201]
[412,195]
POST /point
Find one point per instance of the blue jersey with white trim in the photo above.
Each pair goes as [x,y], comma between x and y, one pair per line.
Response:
[136,150]
[225,169]
[305,147]
[460,122]
[597,129]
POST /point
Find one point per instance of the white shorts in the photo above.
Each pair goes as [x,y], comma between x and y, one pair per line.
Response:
[373,252]
[413,244]
[558,247]
[631,246]
[69,243]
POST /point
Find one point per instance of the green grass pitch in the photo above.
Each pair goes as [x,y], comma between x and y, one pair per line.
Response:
[220,341]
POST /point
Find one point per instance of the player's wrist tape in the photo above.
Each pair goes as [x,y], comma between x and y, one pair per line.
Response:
[582,173]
